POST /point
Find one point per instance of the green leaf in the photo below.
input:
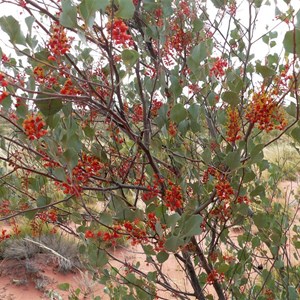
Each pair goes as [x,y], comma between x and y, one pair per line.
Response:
[219,3]
[42,201]
[64,286]
[291,109]
[258,3]
[201,51]
[232,160]
[130,57]
[49,107]
[106,219]
[265,71]
[256,150]
[261,221]
[68,17]
[255,242]
[198,53]
[172,243]
[175,87]
[162,256]
[7,102]
[178,113]
[231,98]
[97,258]
[192,226]
[291,41]
[296,134]
[71,157]
[293,294]
[194,111]
[12,27]
[60,174]
[259,190]
[29,22]
[88,9]
[126,9]
[249,175]
[171,220]
[296,244]
[148,250]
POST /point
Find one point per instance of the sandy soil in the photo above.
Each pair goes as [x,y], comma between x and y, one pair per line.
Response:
[37,277]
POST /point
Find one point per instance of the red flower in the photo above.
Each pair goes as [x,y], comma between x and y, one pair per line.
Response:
[89,234]
[33,127]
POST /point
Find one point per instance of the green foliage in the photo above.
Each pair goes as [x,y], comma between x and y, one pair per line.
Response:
[154,127]
[68,18]
[125,9]
[291,41]
[88,9]
[12,27]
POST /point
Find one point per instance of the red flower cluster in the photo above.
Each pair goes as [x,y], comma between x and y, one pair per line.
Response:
[39,72]
[4,58]
[222,212]
[138,111]
[106,236]
[233,125]
[4,84]
[156,105]
[218,68]
[59,43]
[243,199]
[49,163]
[172,129]
[135,231]
[4,208]
[264,111]
[224,190]
[173,197]
[87,167]
[70,188]
[47,216]
[282,81]
[153,191]
[215,276]
[70,89]
[210,171]
[136,234]
[33,127]
[43,78]
[3,95]
[184,9]
[180,40]
[4,235]
[119,35]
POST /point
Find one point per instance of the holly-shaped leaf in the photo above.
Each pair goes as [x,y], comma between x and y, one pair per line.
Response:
[12,27]
[178,113]
[126,9]
[291,41]
[130,57]
[88,9]
[68,17]
[231,98]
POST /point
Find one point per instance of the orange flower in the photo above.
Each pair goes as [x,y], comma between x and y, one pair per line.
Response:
[233,125]
[33,127]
